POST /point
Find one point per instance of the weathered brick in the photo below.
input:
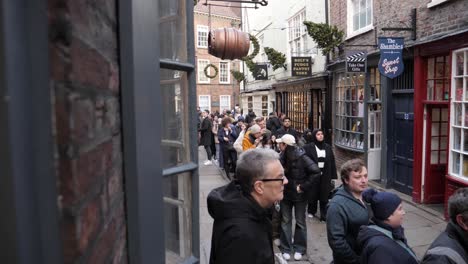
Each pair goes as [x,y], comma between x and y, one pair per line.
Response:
[92,166]
[104,244]
[89,222]
[89,67]
[83,120]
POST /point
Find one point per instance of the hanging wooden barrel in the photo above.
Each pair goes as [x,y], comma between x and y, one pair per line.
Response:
[228,43]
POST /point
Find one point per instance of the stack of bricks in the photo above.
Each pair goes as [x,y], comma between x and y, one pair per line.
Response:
[85,87]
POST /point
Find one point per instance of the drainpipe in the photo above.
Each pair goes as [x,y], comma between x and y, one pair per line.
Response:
[327,115]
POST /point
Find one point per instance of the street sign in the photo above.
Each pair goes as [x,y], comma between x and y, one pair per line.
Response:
[391,57]
[301,66]
[356,61]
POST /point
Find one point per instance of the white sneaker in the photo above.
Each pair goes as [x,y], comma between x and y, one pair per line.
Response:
[310,215]
[297,256]
[208,162]
[286,256]
[276,241]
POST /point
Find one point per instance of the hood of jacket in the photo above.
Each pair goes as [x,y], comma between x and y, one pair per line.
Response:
[365,234]
[230,201]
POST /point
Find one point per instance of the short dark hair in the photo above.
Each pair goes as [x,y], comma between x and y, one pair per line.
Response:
[284,119]
[355,165]
[207,111]
[458,204]
[259,119]
[251,166]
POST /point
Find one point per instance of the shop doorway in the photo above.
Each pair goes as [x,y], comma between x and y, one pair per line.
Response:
[401,151]
[435,151]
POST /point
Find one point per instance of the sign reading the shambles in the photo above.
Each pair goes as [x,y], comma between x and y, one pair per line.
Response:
[301,66]
[356,61]
[391,57]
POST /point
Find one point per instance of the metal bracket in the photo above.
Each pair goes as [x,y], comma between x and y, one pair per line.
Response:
[412,28]
[255,2]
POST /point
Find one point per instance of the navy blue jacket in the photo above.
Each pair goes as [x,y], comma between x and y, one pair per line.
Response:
[345,216]
[379,248]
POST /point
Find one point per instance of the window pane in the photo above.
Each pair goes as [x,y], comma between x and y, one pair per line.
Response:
[202,78]
[443,157]
[177,217]
[430,90]
[434,143]
[443,142]
[455,163]
[458,114]
[175,143]
[456,138]
[465,166]
[465,140]
[434,157]
[459,63]
[173,30]
[430,68]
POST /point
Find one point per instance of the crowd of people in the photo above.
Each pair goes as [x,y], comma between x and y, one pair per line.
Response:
[278,174]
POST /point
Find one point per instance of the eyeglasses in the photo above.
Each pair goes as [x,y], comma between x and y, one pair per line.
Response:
[269,180]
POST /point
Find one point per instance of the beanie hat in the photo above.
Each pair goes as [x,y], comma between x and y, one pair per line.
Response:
[383,204]
[287,139]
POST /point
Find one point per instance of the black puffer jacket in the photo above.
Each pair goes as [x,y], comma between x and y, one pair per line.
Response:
[242,231]
[300,170]
[454,238]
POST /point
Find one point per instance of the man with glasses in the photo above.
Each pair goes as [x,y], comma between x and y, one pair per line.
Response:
[301,172]
[452,245]
[240,209]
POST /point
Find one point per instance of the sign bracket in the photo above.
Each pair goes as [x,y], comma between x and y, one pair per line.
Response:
[412,28]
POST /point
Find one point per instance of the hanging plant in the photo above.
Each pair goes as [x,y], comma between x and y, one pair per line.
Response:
[327,37]
[251,66]
[239,76]
[256,49]
[276,58]
[215,70]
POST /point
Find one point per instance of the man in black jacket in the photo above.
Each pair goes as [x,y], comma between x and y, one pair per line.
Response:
[206,135]
[347,212]
[451,246]
[301,172]
[287,129]
[242,231]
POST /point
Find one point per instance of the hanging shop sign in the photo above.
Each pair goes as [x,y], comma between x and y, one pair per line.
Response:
[391,56]
[301,66]
[261,72]
[356,61]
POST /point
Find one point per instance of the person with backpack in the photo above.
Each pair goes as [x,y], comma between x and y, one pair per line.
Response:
[451,246]
[383,241]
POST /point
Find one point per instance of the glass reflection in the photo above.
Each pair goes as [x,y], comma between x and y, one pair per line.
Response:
[175,138]
[173,30]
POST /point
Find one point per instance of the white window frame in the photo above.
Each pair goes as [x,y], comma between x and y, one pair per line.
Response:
[457,122]
[227,72]
[350,13]
[201,73]
[436,3]
[202,29]
[297,33]
[202,106]
[228,97]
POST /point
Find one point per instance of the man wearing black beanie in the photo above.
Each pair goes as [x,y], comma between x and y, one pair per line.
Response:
[384,240]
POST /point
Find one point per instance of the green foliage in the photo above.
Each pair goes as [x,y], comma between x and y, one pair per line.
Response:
[215,69]
[327,37]
[256,46]
[276,58]
[251,65]
[239,76]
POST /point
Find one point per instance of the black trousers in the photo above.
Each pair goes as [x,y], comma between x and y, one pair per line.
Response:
[312,208]
[208,151]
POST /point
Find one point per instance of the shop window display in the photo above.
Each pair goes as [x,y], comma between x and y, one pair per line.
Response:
[350,111]
[458,156]
[438,77]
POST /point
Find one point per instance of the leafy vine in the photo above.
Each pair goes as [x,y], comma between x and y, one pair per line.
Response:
[276,58]
[239,76]
[327,37]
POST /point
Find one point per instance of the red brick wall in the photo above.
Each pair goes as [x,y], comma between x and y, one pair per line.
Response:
[343,155]
[86,96]
[214,88]
[444,18]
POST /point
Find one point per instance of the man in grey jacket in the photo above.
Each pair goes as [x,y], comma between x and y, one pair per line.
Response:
[451,245]
[347,212]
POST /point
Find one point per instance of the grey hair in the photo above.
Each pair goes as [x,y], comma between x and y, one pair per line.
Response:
[355,165]
[458,204]
[251,166]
